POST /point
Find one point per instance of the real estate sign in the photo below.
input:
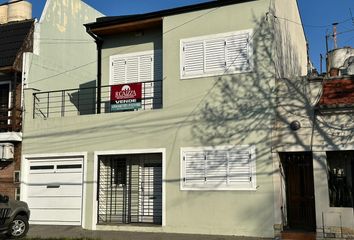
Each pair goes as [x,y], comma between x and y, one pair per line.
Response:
[126,97]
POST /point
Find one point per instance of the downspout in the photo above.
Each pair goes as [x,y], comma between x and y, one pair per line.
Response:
[99,43]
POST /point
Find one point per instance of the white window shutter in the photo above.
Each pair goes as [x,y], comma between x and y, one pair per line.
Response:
[146,74]
[240,170]
[136,67]
[132,69]
[146,66]
[216,166]
[193,58]
[194,167]
[237,52]
[117,70]
[215,60]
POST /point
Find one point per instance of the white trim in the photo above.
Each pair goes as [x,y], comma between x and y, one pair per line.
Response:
[94,192]
[37,38]
[84,190]
[11,136]
[214,36]
[121,152]
[25,174]
[217,187]
[45,10]
[134,54]
[14,176]
[17,195]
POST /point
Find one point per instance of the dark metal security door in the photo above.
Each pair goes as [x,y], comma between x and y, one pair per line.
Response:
[298,169]
[130,189]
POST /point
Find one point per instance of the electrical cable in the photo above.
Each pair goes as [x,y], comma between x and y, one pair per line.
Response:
[308,25]
[169,30]
[8,3]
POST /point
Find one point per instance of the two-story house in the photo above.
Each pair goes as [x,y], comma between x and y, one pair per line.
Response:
[175,134]
[16,37]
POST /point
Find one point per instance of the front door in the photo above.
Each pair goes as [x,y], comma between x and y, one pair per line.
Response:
[130,189]
[298,170]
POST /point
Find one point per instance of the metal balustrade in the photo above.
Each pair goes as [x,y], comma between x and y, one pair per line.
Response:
[83,101]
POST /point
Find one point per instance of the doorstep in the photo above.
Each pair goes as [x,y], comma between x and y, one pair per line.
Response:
[298,235]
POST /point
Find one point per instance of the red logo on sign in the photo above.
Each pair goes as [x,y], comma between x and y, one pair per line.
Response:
[126,91]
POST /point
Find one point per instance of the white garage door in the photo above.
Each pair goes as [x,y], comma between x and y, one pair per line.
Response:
[54,191]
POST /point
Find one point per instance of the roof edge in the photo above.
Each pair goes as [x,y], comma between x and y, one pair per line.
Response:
[106,21]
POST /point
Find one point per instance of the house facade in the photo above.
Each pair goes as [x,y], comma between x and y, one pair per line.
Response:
[16,37]
[175,134]
[314,150]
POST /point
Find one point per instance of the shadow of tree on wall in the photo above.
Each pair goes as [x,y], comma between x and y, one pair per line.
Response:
[257,108]
[84,99]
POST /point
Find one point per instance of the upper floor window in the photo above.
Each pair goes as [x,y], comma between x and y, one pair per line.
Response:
[136,67]
[217,54]
[218,168]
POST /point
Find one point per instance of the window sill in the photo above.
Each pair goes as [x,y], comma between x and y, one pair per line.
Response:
[187,188]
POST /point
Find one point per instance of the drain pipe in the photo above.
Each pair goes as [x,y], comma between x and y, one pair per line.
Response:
[99,43]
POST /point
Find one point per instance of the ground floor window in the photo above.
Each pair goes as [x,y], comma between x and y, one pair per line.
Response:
[130,189]
[218,168]
[340,178]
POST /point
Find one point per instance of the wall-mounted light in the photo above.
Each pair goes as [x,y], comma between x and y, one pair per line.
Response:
[295,125]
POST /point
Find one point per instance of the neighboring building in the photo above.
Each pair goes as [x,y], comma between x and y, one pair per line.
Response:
[314,150]
[176,134]
[16,37]
[61,47]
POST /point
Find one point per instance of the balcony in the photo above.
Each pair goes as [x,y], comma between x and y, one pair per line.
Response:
[83,101]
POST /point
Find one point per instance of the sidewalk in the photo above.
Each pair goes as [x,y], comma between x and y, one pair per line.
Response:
[77,232]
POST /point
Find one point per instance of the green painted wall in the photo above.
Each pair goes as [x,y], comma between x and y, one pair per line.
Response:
[64,54]
[223,110]
[149,39]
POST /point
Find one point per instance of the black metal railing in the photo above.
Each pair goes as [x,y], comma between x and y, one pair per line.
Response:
[83,101]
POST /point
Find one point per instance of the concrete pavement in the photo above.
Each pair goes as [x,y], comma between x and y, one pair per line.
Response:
[77,232]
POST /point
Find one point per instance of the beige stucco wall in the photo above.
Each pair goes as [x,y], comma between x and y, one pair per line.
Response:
[318,133]
[289,39]
[223,110]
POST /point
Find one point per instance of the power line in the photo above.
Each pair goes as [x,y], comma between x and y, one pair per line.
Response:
[8,3]
[348,40]
[351,30]
[78,67]
[307,25]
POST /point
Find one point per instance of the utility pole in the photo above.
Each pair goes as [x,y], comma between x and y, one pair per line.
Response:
[335,35]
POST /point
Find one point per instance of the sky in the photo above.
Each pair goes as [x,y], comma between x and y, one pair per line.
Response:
[317,18]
